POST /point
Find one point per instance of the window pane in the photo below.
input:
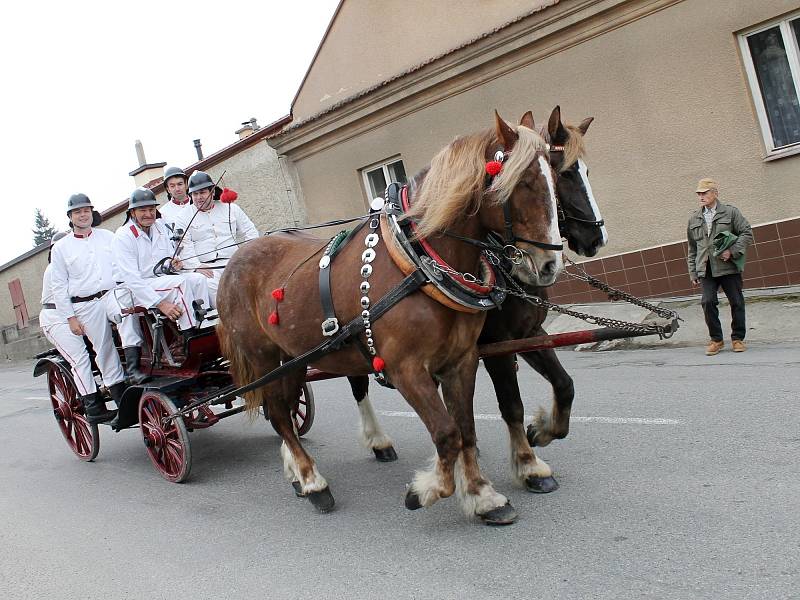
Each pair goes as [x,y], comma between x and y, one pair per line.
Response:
[377,183]
[397,172]
[777,88]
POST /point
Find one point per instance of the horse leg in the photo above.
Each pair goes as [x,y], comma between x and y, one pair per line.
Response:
[372,434]
[298,466]
[547,427]
[527,469]
[476,493]
[419,390]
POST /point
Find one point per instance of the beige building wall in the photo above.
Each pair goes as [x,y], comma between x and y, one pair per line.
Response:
[369,42]
[667,90]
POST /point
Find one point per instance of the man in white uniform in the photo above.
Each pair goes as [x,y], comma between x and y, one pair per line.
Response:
[139,246]
[82,277]
[70,346]
[213,226]
[177,199]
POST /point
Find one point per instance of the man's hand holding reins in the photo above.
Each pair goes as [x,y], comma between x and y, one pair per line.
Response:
[75,326]
[169,310]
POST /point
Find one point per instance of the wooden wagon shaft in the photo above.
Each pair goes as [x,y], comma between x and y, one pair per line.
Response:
[560,340]
[541,342]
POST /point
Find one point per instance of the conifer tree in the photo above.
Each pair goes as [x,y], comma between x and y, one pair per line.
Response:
[43,230]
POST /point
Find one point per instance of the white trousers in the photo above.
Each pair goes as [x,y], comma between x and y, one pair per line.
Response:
[72,348]
[213,285]
[182,290]
[93,315]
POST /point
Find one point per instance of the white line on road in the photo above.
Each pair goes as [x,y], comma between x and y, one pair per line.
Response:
[609,420]
[36,398]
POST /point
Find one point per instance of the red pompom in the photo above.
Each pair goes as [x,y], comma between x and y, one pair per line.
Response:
[493,167]
[228,196]
[273,318]
[278,294]
[378,364]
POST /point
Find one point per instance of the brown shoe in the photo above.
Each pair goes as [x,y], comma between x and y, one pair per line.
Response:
[738,346]
[714,347]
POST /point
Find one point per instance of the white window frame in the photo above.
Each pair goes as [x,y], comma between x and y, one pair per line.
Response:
[384,164]
[793,56]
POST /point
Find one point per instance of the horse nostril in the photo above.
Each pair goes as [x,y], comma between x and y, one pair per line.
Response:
[549,267]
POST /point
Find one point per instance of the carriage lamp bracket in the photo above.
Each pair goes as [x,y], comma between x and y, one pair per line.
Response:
[330,326]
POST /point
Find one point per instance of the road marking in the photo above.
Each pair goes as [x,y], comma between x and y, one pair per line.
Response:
[609,420]
[37,398]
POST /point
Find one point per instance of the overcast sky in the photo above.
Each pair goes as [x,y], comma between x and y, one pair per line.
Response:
[83,80]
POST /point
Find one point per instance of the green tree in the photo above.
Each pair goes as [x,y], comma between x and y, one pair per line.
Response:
[43,230]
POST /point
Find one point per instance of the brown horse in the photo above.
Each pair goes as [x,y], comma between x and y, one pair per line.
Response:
[582,226]
[452,201]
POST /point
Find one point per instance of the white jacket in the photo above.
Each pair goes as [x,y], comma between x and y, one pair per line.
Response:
[211,234]
[81,267]
[170,213]
[135,255]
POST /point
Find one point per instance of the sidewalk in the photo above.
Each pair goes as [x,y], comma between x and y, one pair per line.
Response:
[773,315]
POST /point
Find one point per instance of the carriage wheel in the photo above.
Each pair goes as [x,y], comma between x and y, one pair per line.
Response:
[167,442]
[82,436]
[303,415]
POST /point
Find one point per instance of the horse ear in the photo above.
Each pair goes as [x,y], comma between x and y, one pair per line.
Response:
[585,125]
[558,133]
[527,121]
[507,136]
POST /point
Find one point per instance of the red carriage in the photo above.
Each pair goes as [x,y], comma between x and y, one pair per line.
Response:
[182,371]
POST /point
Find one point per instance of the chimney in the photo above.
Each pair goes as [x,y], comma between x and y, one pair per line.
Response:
[248,128]
[199,149]
[145,173]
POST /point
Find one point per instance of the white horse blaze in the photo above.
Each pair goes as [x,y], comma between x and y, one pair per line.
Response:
[555,234]
[584,171]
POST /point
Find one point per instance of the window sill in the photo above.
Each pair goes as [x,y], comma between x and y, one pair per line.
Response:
[783,153]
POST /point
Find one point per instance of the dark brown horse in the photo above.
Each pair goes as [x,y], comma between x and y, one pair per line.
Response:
[582,226]
[454,199]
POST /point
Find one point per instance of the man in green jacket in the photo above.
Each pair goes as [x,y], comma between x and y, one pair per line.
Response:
[723,269]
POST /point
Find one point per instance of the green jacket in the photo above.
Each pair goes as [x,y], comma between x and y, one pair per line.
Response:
[701,245]
[724,240]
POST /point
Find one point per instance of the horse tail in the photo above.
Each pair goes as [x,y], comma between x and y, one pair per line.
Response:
[242,369]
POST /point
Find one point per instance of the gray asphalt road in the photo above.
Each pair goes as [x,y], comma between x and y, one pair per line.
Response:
[679,479]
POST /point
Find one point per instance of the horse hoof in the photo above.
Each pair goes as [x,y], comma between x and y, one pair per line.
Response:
[541,485]
[502,515]
[322,500]
[412,500]
[385,454]
[298,489]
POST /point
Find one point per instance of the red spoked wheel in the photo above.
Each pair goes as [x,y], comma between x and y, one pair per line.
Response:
[82,437]
[167,442]
[303,415]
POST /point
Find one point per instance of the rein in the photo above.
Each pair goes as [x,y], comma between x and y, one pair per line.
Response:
[563,217]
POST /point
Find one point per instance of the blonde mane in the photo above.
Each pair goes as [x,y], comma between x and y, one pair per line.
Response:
[574,148]
[454,186]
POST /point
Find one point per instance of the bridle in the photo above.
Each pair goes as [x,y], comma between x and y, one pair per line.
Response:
[564,217]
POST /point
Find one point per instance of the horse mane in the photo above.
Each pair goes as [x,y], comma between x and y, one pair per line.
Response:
[454,186]
[574,147]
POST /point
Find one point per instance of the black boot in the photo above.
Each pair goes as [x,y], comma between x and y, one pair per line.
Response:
[132,357]
[116,392]
[96,411]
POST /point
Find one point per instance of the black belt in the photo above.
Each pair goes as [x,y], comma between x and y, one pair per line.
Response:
[99,294]
[49,306]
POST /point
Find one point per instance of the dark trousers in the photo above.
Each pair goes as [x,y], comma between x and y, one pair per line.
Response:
[732,286]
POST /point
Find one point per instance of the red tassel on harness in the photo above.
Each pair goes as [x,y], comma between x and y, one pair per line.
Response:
[273,318]
[278,294]
[493,167]
[378,364]
[228,196]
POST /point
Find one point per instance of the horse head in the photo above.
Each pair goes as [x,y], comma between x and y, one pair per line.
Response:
[580,221]
[525,209]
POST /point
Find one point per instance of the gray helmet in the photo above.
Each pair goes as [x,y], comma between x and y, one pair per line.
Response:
[200,181]
[78,201]
[173,172]
[57,236]
[142,197]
